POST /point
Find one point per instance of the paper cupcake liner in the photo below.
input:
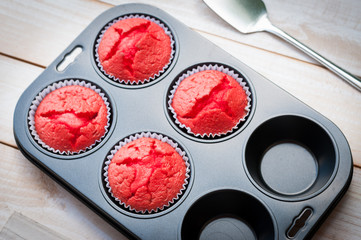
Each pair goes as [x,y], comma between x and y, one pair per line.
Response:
[35,103]
[204,67]
[140,81]
[130,139]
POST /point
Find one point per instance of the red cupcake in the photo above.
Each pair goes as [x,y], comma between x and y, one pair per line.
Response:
[70,119]
[134,50]
[146,174]
[210,102]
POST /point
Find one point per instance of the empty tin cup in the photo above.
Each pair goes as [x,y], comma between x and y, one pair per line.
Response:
[228,214]
[290,157]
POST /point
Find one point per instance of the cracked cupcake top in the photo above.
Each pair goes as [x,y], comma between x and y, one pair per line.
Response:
[134,49]
[209,102]
[146,174]
[71,118]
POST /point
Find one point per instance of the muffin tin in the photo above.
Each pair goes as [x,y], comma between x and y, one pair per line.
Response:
[277,176]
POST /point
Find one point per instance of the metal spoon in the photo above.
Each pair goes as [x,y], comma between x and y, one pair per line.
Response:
[249,16]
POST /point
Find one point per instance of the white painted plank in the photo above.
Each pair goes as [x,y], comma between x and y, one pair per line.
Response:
[25,189]
[16,77]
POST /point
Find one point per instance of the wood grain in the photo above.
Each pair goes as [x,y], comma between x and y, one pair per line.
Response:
[16,77]
[330,27]
[33,33]
[344,221]
[26,189]
[38,31]
[19,227]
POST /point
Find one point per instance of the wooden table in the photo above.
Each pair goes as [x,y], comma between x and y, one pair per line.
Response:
[33,33]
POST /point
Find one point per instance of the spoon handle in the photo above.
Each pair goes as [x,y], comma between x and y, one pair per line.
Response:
[351,79]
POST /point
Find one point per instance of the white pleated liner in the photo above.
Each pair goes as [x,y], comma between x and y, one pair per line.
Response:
[140,81]
[200,68]
[35,103]
[147,135]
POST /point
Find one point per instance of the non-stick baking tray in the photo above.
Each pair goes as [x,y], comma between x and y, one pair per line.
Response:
[277,176]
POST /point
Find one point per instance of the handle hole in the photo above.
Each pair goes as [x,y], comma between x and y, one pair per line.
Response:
[69,58]
[299,222]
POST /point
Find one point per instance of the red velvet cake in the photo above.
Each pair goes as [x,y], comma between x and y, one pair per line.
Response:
[134,49]
[146,174]
[71,118]
[209,102]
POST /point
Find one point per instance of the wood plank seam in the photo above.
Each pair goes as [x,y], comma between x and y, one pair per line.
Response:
[22,60]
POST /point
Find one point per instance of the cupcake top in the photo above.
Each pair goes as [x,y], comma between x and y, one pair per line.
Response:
[146,174]
[134,49]
[209,102]
[71,118]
